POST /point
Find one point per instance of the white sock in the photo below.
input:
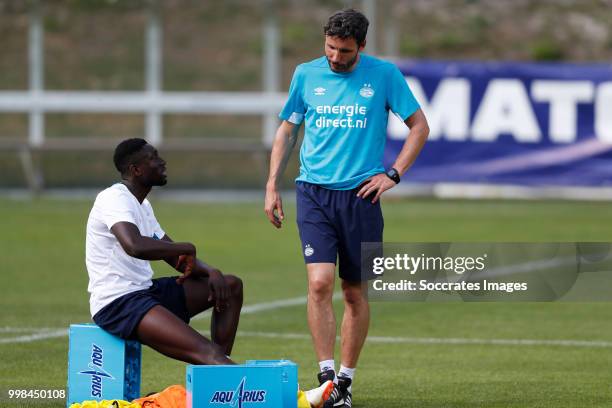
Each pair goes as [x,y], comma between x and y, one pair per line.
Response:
[347,372]
[329,365]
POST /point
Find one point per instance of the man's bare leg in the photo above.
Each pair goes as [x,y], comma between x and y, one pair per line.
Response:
[161,330]
[224,323]
[355,322]
[321,318]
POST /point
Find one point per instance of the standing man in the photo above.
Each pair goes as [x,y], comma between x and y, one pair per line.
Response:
[344,98]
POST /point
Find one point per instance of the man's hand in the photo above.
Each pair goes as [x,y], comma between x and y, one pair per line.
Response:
[186,262]
[218,290]
[274,207]
[379,183]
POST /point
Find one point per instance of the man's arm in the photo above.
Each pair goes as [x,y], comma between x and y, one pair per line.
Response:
[137,246]
[200,268]
[284,141]
[189,265]
[419,130]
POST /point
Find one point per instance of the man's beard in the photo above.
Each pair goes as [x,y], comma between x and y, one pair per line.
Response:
[343,67]
[158,181]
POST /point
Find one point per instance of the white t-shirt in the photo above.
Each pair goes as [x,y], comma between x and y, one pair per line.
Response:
[112,272]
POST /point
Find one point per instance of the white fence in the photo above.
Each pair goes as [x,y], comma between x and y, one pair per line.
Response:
[152,102]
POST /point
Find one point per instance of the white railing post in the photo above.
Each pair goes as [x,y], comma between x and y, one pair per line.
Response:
[391,29]
[153,69]
[369,9]
[271,69]
[36,132]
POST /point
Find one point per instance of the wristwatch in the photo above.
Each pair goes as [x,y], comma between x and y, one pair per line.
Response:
[393,175]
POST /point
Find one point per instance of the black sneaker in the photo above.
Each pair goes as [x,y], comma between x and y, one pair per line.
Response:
[348,400]
[327,375]
[335,397]
[340,395]
[343,384]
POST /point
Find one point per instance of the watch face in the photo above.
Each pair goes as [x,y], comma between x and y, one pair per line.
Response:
[393,175]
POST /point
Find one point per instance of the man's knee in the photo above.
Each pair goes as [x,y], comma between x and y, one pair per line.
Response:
[354,294]
[235,284]
[320,288]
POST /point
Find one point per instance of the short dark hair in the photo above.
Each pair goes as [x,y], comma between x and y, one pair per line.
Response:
[347,23]
[126,153]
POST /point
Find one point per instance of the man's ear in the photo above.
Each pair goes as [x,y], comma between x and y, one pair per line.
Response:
[362,46]
[134,170]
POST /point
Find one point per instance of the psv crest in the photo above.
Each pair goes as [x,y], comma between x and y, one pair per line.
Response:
[366,91]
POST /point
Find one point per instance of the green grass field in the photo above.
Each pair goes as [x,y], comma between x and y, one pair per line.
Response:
[44,283]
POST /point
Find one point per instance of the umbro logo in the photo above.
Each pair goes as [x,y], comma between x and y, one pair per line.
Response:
[319,91]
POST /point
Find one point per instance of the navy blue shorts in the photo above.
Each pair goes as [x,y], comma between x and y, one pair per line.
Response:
[122,316]
[334,223]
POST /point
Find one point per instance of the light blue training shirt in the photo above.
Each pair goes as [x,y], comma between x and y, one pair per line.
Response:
[346,118]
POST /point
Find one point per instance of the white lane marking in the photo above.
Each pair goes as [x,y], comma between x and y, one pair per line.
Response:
[265,306]
[434,340]
[8,329]
[46,334]
[43,335]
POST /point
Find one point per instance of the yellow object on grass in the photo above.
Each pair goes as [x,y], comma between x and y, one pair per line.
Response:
[106,404]
[302,400]
[171,397]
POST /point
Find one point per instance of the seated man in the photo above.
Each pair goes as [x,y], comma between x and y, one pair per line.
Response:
[122,237]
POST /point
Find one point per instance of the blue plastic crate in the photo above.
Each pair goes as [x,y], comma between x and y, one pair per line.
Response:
[101,366]
[256,384]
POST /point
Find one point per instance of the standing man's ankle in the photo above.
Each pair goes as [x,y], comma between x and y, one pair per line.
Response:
[326,365]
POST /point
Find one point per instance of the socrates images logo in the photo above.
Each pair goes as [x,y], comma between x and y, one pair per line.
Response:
[308,250]
[96,371]
[366,91]
[319,91]
[239,396]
